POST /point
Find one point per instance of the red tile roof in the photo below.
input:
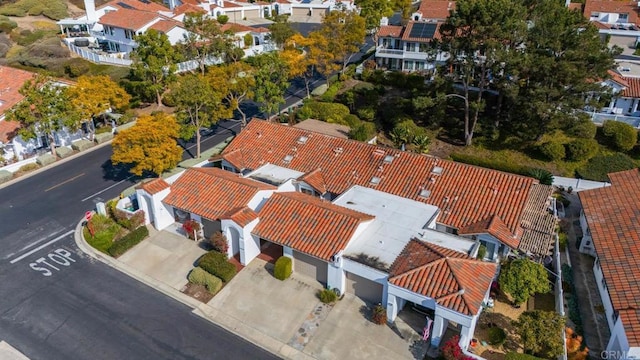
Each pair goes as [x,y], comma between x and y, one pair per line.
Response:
[137,5]
[394,31]
[212,192]
[242,216]
[315,179]
[436,9]
[154,186]
[11,80]
[613,217]
[633,88]
[494,226]
[453,279]
[236,28]
[629,7]
[575,6]
[128,18]
[165,25]
[308,224]
[600,25]
[188,9]
[615,77]
[229,4]
[465,194]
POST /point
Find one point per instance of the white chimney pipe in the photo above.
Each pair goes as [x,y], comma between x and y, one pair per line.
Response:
[90,8]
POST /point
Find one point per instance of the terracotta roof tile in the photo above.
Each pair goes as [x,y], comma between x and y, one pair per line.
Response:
[600,25]
[315,179]
[137,5]
[394,31]
[212,192]
[308,224]
[575,6]
[236,28]
[453,279]
[613,217]
[436,9]
[465,194]
[154,186]
[242,216]
[629,7]
[11,80]
[165,25]
[493,226]
[633,89]
[617,78]
[187,8]
[128,19]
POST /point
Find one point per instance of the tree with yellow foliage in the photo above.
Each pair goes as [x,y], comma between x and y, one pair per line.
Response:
[344,32]
[575,349]
[149,146]
[301,54]
[93,95]
[235,82]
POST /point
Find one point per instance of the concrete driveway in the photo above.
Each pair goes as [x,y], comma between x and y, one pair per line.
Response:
[348,334]
[274,307]
[164,256]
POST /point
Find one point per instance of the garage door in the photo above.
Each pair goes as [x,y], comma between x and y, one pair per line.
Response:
[310,266]
[300,12]
[363,288]
[252,14]
[210,227]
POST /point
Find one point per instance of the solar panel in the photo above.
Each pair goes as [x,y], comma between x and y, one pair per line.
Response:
[125,6]
[145,1]
[422,30]
[306,1]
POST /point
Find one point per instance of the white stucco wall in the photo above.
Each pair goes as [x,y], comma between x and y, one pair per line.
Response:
[618,345]
[249,245]
[176,35]
[259,199]
[604,294]
[586,245]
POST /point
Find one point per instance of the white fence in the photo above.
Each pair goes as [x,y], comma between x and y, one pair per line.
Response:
[578,184]
[98,58]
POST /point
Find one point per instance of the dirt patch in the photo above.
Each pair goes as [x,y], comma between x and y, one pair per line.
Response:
[33,22]
[197,292]
[148,110]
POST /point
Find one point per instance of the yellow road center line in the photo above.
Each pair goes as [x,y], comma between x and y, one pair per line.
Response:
[64,182]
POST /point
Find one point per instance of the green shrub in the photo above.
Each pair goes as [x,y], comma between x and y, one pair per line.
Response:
[100,232]
[562,241]
[379,315]
[128,241]
[283,267]
[497,336]
[327,296]
[216,263]
[332,92]
[552,150]
[582,128]
[482,252]
[518,356]
[28,167]
[329,112]
[363,131]
[103,129]
[53,9]
[599,166]
[6,24]
[544,176]
[582,149]
[491,164]
[620,136]
[367,113]
[200,277]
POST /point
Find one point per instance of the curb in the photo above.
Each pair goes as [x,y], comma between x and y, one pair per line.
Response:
[58,162]
[203,310]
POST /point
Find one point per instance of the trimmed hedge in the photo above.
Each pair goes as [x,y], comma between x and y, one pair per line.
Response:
[600,166]
[200,277]
[45,159]
[541,174]
[64,152]
[5,176]
[620,136]
[518,356]
[329,112]
[102,138]
[128,241]
[283,268]
[216,263]
[582,149]
[82,145]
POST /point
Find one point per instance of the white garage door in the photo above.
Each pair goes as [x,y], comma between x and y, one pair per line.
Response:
[310,266]
[252,14]
[363,288]
[300,12]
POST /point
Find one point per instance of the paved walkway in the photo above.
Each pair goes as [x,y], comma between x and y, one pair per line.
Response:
[594,323]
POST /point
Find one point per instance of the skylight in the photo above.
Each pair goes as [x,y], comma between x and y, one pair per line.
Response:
[424,193]
[375,180]
[437,170]
[303,139]
[288,158]
[388,159]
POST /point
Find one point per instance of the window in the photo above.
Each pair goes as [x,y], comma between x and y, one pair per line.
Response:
[129,34]
[604,284]
[307,191]
[108,30]
[623,17]
[595,14]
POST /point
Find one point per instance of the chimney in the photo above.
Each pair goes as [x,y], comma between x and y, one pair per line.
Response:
[90,8]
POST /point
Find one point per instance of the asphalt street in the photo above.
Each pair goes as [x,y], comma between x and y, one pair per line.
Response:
[58,303]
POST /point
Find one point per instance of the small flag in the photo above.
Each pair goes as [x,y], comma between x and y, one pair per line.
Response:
[427,329]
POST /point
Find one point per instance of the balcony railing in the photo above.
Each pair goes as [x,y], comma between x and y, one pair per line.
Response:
[390,51]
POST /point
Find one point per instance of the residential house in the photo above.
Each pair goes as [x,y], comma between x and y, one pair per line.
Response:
[409,48]
[12,146]
[389,226]
[625,89]
[616,19]
[610,223]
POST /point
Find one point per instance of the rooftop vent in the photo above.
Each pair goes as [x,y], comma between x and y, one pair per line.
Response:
[375,180]
[437,170]
[378,152]
[338,150]
[424,193]
[388,159]
[303,139]
[287,159]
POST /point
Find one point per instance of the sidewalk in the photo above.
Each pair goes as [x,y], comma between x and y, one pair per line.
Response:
[594,324]
[207,312]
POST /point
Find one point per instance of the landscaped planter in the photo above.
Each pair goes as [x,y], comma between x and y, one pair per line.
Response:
[82,145]
[102,138]
[64,152]
[45,159]
[124,126]
[5,176]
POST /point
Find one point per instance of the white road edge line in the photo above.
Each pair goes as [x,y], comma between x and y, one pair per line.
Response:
[103,190]
[41,247]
